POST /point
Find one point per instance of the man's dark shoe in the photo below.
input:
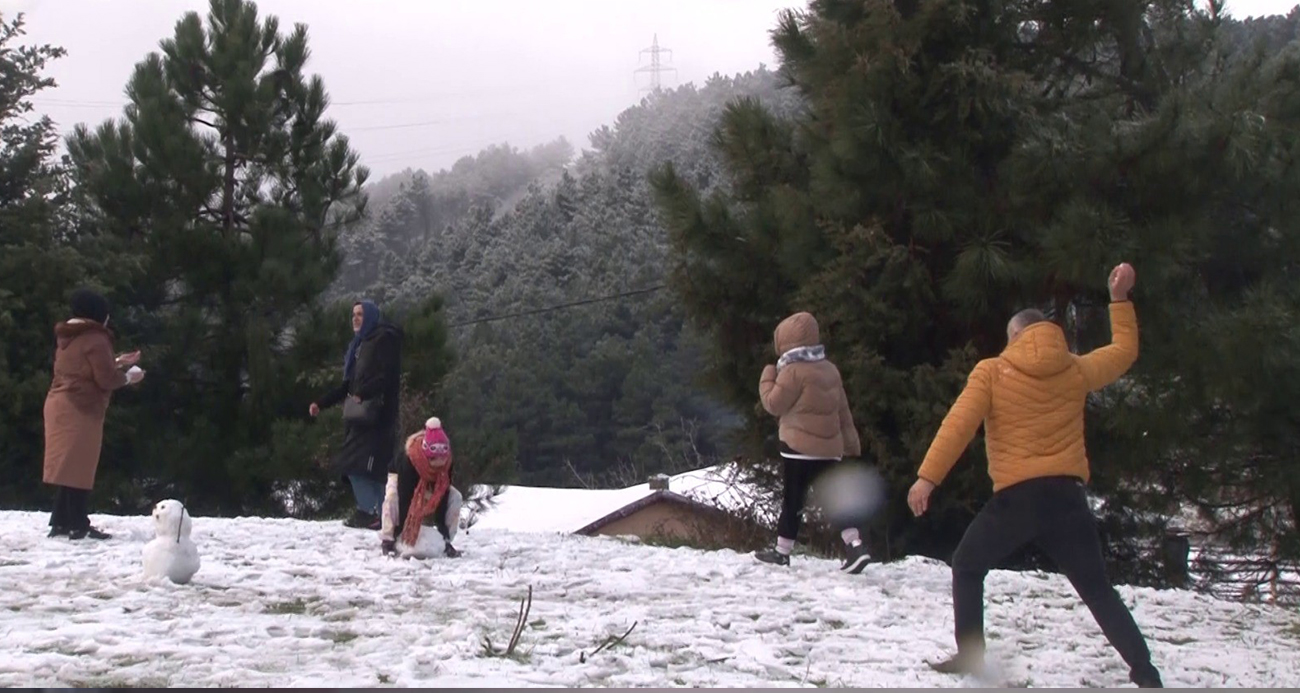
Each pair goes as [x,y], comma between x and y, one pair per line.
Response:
[450,551]
[389,547]
[961,664]
[772,556]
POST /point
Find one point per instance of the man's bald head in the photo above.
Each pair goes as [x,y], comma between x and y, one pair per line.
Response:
[1021,320]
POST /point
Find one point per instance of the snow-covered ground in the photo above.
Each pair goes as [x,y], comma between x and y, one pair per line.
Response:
[291,603]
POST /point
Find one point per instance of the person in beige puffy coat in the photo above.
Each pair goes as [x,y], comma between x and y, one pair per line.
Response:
[805,392]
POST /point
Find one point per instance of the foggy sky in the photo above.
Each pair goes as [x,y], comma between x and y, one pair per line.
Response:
[421,83]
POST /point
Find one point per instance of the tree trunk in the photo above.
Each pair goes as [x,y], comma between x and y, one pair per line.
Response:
[1126,21]
[228,187]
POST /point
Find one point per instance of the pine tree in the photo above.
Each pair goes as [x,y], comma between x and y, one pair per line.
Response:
[960,160]
[38,265]
[227,185]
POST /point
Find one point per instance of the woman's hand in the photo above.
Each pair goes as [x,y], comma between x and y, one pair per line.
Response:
[129,359]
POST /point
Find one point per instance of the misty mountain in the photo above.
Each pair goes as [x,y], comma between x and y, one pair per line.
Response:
[569,388]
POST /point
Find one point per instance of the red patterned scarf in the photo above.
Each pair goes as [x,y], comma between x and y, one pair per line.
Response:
[434,482]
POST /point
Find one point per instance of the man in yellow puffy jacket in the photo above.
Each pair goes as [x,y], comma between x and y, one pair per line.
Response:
[1031,399]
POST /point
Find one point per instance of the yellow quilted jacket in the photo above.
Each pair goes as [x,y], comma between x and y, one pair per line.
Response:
[1030,399]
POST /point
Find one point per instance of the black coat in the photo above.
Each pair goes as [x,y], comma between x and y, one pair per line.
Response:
[370,450]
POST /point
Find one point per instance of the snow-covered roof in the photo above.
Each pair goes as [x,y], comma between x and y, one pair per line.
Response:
[567,510]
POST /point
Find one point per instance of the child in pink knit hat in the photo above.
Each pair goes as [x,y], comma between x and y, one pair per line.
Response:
[421,492]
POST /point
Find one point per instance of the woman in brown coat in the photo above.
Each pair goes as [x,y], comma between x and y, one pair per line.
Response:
[85,376]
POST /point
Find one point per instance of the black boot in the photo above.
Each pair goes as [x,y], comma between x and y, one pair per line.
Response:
[91,532]
[56,531]
[362,520]
[450,551]
[1146,677]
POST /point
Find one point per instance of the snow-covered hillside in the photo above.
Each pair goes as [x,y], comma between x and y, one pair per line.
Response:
[290,603]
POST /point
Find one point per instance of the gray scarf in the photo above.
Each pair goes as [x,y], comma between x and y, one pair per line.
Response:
[815,352]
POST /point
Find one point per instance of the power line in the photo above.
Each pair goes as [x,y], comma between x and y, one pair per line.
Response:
[562,306]
[441,121]
[361,128]
[79,102]
[94,102]
[455,148]
[442,95]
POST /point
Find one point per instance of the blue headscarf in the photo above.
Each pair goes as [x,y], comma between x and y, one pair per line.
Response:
[369,321]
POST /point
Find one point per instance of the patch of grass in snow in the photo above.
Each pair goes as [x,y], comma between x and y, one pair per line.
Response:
[340,637]
[113,681]
[9,563]
[836,624]
[63,648]
[492,652]
[523,657]
[124,661]
[384,678]
[297,606]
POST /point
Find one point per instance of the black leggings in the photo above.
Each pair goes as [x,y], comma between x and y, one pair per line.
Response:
[799,478]
[1051,513]
[71,508]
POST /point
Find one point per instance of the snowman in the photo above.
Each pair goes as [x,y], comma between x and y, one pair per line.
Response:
[430,542]
[171,553]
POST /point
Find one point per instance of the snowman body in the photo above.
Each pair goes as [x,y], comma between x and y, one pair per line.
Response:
[429,543]
[171,553]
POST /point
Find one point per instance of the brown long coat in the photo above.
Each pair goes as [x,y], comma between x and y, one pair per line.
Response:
[85,376]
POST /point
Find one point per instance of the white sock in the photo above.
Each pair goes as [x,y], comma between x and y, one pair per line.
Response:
[851,537]
[784,546]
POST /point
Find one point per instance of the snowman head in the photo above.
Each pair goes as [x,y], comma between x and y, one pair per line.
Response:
[171,520]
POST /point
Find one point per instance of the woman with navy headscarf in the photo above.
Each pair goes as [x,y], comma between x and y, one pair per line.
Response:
[372,371]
